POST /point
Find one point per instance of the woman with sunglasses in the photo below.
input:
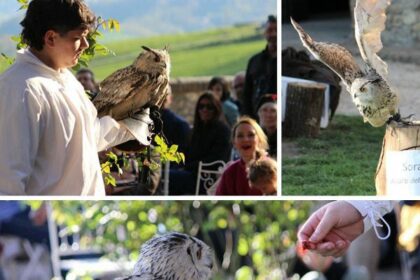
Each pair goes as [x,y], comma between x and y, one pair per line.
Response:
[210,141]
[251,143]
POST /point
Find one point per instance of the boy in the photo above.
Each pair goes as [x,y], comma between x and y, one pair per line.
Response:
[50,133]
[263,175]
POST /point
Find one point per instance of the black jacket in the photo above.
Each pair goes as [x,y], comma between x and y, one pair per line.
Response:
[261,78]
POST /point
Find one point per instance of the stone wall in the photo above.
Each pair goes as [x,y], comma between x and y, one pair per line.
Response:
[402,24]
[186,91]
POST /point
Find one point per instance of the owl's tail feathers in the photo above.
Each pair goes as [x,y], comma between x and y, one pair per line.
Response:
[306,39]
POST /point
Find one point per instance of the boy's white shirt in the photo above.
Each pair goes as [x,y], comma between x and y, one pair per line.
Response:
[49,132]
[372,212]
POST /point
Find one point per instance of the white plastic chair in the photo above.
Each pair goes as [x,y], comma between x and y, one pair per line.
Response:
[165,177]
[35,267]
[208,173]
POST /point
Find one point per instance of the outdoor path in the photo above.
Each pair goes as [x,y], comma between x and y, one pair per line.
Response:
[403,63]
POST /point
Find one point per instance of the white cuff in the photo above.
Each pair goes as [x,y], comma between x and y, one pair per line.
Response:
[372,212]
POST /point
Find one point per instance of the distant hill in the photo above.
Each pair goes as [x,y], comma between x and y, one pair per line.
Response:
[153,17]
[220,51]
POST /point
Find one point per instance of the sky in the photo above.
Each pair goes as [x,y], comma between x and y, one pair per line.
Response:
[152,17]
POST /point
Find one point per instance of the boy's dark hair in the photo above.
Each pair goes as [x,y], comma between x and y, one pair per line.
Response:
[58,15]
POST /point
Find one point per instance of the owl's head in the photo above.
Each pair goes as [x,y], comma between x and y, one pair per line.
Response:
[366,88]
[154,61]
[175,256]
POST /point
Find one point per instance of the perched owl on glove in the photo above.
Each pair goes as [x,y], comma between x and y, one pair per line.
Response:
[145,83]
[371,93]
[173,256]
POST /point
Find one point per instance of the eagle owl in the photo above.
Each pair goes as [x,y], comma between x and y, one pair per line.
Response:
[145,83]
[173,256]
[376,101]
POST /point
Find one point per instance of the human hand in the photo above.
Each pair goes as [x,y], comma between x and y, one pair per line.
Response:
[312,260]
[330,230]
[139,126]
[39,216]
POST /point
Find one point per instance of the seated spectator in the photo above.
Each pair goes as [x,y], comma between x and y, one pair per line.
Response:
[251,143]
[87,79]
[209,142]
[17,219]
[267,115]
[238,88]
[262,175]
[220,89]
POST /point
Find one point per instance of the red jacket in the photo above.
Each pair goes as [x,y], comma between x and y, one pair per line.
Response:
[234,181]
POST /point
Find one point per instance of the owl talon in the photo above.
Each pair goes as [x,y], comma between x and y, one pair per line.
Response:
[397,118]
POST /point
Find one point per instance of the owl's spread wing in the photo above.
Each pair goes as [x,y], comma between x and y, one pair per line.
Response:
[336,57]
[370,20]
[118,87]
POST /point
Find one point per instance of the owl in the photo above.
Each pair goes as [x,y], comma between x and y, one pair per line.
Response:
[173,256]
[145,83]
[372,94]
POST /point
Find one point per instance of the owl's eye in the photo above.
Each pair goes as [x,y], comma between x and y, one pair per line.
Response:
[157,59]
[362,89]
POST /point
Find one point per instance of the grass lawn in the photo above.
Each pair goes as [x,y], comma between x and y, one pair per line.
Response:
[341,161]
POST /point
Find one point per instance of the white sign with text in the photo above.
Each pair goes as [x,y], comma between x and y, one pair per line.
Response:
[403,172]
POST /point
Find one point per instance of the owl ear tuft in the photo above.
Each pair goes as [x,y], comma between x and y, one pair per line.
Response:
[146,48]
[157,57]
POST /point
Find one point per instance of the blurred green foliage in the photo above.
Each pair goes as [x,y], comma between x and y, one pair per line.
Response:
[265,230]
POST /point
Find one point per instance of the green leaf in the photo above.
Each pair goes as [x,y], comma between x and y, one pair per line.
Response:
[161,143]
[182,156]
[106,167]
[109,180]
[16,38]
[24,4]
[158,150]
[172,157]
[113,25]
[8,59]
[173,149]
[101,50]
[112,156]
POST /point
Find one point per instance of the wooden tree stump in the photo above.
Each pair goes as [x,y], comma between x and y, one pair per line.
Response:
[304,104]
[398,170]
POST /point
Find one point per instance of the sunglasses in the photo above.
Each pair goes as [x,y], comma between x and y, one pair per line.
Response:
[209,107]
